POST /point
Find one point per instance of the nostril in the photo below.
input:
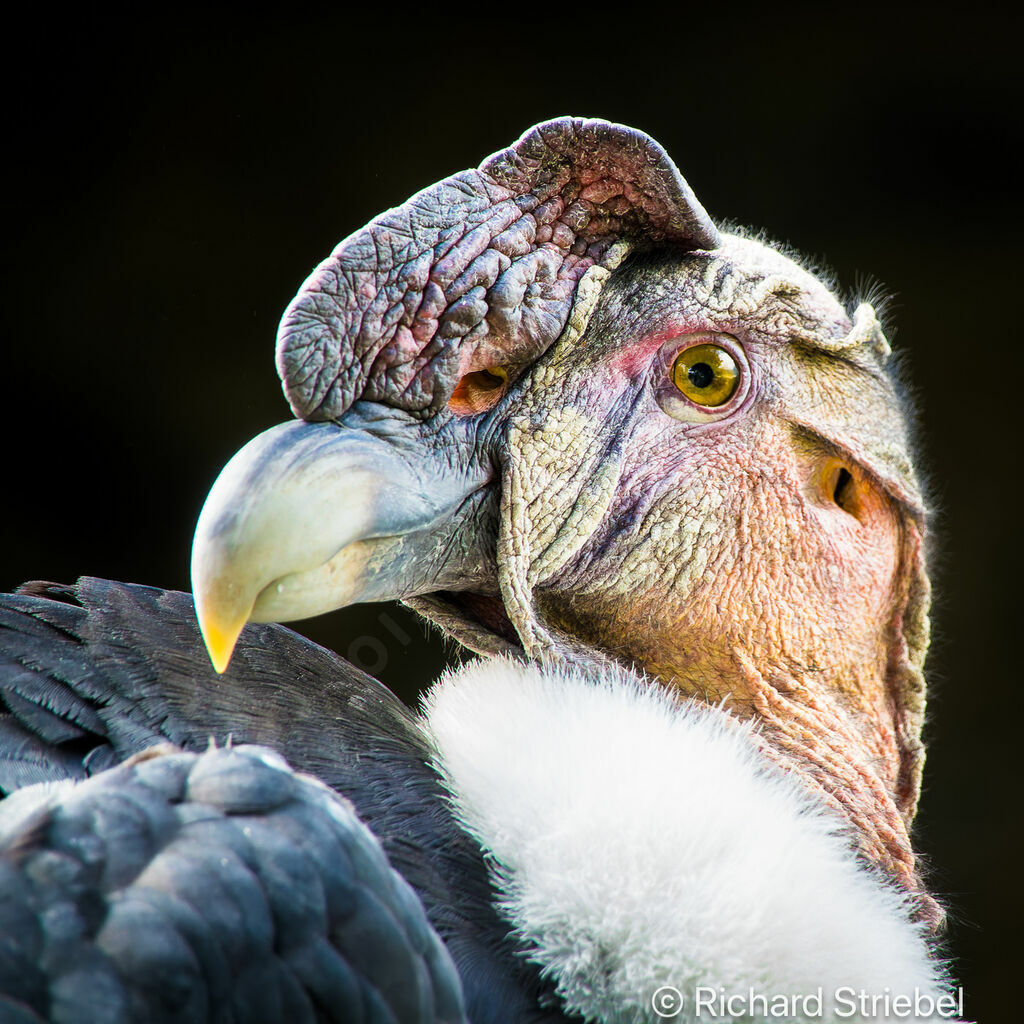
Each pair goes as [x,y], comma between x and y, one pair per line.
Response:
[478,391]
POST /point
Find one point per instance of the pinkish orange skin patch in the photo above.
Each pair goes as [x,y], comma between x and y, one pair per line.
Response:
[635,360]
[788,621]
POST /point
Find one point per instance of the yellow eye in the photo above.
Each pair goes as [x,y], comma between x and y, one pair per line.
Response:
[706,374]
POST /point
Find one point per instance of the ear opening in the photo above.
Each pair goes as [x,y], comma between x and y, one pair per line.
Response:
[840,484]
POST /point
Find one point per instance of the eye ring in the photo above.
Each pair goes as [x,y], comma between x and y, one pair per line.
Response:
[701,377]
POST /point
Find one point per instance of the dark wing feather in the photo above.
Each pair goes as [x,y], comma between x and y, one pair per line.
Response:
[196,887]
[103,670]
[94,673]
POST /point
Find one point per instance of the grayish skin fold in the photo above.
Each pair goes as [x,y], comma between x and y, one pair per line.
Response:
[478,270]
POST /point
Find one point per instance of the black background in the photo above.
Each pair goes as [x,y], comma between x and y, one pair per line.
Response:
[169,186]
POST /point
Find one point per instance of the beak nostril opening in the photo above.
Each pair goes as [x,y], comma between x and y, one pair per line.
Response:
[479,391]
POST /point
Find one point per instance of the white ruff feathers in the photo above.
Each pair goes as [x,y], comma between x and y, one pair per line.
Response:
[637,842]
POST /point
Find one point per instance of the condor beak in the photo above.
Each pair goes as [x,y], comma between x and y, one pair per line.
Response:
[309,517]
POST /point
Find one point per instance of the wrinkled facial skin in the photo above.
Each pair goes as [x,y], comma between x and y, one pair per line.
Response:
[716,555]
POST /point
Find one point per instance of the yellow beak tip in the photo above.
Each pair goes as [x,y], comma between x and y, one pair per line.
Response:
[220,660]
[220,643]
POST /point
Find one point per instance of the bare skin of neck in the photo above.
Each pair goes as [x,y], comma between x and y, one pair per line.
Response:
[798,639]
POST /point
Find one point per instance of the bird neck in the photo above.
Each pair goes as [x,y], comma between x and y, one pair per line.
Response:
[636,841]
[823,708]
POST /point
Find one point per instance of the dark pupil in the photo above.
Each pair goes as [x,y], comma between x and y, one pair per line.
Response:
[701,375]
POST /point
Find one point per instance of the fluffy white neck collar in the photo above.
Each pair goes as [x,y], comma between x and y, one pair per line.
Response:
[637,842]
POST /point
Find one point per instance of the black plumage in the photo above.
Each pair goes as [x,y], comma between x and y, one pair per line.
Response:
[222,885]
[98,672]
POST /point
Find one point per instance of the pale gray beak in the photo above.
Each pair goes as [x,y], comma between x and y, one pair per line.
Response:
[309,517]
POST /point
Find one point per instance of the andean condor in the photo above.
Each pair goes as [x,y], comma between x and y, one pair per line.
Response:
[657,477]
